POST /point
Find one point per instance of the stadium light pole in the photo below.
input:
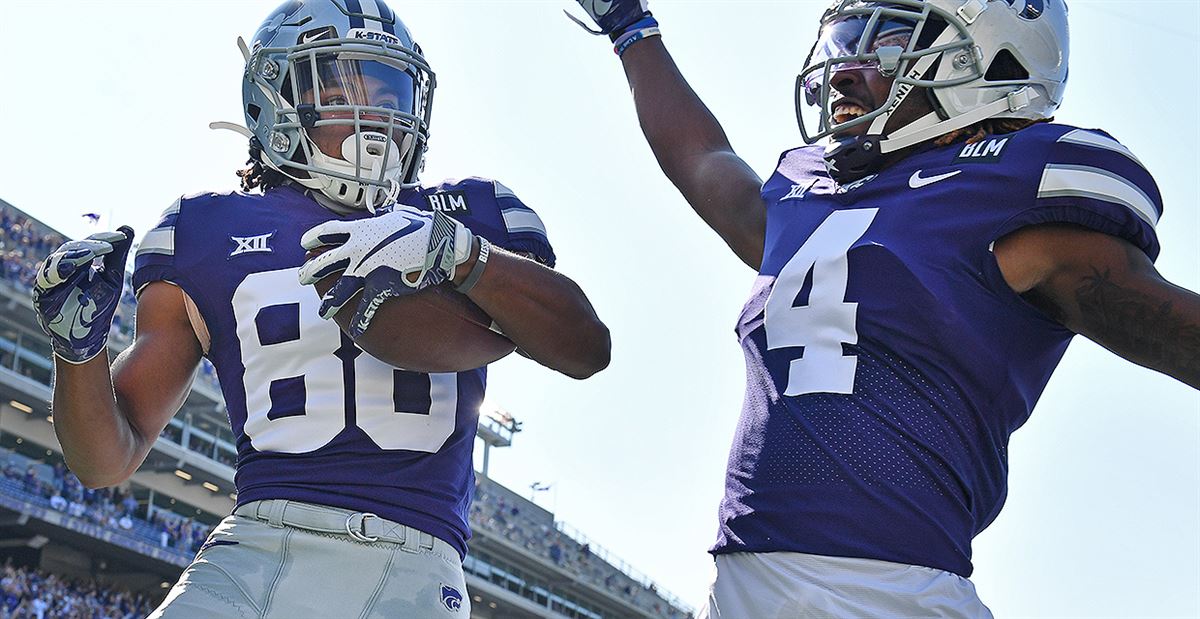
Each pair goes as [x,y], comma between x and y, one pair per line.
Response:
[496,429]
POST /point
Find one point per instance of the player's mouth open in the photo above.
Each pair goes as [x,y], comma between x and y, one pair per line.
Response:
[847,111]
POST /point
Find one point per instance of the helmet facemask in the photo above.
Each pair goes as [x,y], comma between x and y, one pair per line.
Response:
[348,117]
[902,40]
[932,45]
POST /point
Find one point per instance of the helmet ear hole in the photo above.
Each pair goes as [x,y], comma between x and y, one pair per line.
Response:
[930,31]
[1005,67]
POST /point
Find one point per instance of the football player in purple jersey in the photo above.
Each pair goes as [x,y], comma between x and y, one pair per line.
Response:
[922,264]
[354,478]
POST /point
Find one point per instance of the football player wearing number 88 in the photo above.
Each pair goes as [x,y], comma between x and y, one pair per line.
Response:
[353,476]
[922,265]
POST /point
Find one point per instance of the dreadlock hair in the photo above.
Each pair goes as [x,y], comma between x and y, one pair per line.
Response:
[992,126]
[256,175]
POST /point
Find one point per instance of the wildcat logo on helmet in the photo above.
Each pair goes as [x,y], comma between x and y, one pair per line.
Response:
[373,35]
[1031,9]
[270,27]
[451,598]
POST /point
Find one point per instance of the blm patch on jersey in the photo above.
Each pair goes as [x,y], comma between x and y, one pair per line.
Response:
[982,152]
[450,202]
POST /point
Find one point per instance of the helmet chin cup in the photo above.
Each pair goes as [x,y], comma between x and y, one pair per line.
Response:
[850,159]
[368,148]
[368,172]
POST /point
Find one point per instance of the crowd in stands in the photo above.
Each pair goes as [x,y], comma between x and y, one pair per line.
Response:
[114,508]
[22,245]
[502,516]
[27,593]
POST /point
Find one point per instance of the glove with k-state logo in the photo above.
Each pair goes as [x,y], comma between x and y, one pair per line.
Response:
[616,17]
[389,255]
[74,299]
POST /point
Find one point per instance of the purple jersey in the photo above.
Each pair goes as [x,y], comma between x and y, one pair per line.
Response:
[888,362]
[315,418]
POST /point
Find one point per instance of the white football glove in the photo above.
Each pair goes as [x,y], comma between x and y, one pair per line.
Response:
[390,255]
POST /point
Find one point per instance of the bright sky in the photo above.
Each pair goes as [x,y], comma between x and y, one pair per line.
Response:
[106,106]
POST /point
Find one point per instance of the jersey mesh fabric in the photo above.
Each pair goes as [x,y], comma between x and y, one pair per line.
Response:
[315,419]
[911,463]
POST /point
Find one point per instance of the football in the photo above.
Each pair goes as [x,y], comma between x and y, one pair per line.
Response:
[434,330]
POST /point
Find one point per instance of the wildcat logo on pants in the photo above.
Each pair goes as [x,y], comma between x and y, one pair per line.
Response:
[451,598]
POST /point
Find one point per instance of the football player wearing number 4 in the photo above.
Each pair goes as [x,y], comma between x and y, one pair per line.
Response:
[920,276]
[354,478]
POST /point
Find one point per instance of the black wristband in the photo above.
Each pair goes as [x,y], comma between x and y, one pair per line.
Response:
[645,21]
[485,249]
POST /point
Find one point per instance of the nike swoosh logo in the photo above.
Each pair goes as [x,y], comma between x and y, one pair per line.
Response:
[600,8]
[413,224]
[82,324]
[917,182]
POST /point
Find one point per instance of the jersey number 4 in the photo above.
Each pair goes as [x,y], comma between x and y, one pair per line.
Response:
[825,321]
[302,376]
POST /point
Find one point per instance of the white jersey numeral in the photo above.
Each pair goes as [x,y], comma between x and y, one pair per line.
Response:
[306,369]
[826,321]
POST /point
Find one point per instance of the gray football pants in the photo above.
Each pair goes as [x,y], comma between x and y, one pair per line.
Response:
[284,569]
[792,585]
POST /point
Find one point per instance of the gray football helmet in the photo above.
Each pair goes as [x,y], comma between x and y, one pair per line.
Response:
[345,74]
[979,59]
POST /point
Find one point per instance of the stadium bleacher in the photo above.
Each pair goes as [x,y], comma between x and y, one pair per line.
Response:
[27,593]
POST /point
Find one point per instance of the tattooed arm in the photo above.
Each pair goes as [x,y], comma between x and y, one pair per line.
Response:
[1104,288]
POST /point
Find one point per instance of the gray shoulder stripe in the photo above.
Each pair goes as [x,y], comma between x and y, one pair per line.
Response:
[1095,183]
[502,191]
[525,221]
[537,231]
[1084,137]
[158,241]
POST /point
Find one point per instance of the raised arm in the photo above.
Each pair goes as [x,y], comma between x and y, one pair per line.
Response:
[689,143]
[106,420]
[1106,289]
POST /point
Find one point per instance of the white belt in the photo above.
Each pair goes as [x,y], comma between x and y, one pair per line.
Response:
[359,526]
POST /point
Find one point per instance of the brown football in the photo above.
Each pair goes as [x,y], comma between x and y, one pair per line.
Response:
[434,330]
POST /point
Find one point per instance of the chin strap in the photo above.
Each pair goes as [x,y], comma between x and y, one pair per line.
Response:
[929,126]
[917,70]
[388,195]
[923,129]
[228,126]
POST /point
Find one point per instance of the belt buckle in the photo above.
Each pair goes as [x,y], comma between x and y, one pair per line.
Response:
[356,527]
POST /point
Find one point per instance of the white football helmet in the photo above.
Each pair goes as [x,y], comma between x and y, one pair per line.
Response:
[345,74]
[979,59]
